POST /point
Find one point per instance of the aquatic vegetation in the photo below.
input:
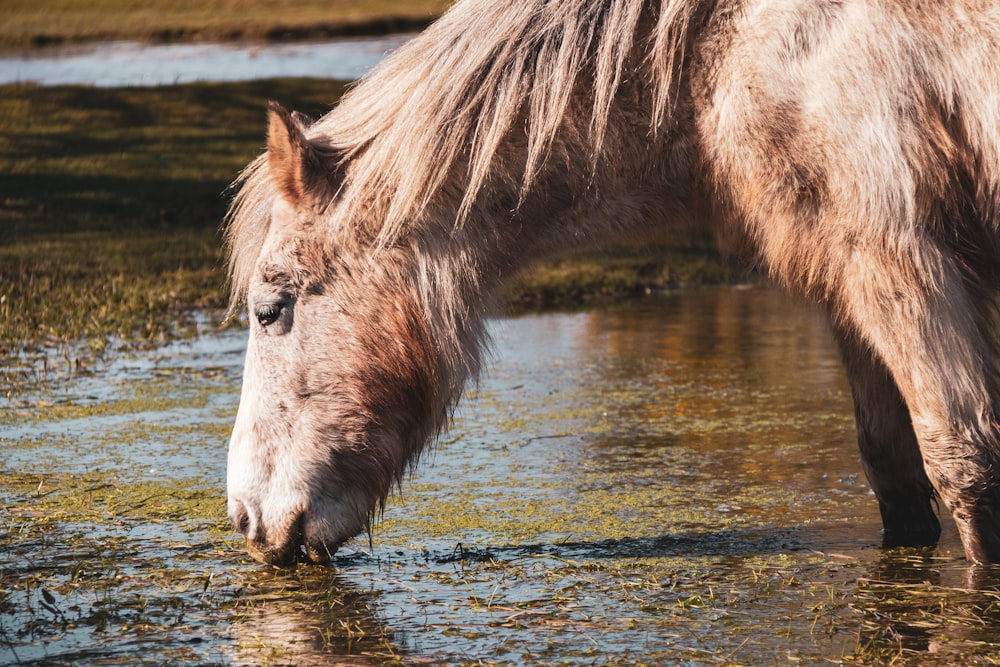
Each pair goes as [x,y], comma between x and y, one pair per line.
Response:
[609,495]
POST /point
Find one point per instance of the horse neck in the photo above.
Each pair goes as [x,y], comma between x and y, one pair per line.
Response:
[463,264]
[583,195]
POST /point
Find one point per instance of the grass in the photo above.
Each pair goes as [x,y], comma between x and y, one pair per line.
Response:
[28,23]
[63,300]
[77,158]
[110,201]
[94,497]
[619,272]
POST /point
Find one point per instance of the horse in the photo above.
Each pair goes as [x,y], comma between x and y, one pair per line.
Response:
[849,148]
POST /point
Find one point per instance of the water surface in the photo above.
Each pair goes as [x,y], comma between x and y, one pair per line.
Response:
[667,481]
[117,64]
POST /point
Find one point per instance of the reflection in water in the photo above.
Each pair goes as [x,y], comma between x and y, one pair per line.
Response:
[673,480]
[745,396]
[310,618]
[727,407]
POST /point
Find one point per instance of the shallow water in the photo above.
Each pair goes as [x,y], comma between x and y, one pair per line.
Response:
[668,481]
[117,64]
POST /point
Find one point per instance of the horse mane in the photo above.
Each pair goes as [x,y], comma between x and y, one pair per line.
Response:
[449,97]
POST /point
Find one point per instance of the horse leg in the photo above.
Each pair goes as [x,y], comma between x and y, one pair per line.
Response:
[890,455]
[914,310]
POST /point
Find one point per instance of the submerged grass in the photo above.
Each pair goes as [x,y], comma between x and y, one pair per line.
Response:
[97,498]
[510,549]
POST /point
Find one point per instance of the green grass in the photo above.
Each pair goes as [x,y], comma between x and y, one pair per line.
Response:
[619,272]
[77,158]
[64,300]
[30,23]
[110,202]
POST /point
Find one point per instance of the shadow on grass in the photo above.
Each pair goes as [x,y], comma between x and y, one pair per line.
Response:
[108,204]
[747,542]
[76,158]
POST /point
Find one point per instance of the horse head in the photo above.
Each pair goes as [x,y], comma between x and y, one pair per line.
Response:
[341,383]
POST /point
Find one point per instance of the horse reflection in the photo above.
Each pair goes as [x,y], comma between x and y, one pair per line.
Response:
[310,619]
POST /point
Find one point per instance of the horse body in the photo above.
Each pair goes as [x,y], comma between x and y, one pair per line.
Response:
[862,169]
[850,147]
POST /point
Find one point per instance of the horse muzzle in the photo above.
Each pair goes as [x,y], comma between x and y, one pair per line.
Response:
[295,540]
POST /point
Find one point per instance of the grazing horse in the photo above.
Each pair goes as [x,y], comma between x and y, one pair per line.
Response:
[849,147]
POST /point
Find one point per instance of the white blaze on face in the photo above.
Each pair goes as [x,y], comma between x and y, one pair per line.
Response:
[267,493]
[256,507]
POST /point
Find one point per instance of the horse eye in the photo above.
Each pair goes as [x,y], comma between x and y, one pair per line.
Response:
[267,313]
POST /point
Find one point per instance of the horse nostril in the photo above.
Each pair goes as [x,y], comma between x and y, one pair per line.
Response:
[239,517]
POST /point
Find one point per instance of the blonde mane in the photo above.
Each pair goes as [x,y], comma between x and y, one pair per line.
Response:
[450,97]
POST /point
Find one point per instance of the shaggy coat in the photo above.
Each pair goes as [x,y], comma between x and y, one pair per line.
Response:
[850,147]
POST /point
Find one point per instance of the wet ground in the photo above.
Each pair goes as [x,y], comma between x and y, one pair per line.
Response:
[669,481]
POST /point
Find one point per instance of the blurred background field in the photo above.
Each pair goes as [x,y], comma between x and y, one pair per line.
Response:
[111,202]
[27,23]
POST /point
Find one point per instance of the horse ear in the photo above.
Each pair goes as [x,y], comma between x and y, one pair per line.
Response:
[303,171]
